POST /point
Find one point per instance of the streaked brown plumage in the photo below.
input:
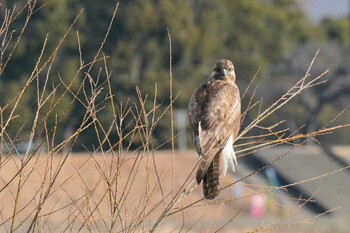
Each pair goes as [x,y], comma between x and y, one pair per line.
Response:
[214,115]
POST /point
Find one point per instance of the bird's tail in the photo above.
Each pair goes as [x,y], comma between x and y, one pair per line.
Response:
[211,179]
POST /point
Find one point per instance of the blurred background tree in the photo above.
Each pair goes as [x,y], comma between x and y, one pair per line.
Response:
[273,35]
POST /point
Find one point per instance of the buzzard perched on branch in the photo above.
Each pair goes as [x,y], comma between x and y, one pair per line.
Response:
[214,114]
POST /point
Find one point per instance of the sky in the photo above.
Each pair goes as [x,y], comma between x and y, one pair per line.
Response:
[318,9]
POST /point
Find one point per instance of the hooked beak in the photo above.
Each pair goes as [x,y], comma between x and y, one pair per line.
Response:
[223,72]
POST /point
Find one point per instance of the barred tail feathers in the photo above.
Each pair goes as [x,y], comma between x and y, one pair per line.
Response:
[211,179]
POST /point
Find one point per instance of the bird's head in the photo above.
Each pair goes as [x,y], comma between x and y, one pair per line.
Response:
[224,70]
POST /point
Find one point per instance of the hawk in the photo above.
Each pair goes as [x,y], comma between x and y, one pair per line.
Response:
[214,113]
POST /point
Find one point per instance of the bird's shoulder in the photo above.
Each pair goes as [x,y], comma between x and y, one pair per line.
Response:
[199,97]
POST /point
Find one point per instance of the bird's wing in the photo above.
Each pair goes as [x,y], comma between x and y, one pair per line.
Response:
[195,112]
[220,114]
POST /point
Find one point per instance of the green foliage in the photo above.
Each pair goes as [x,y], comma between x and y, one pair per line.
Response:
[251,33]
[337,30]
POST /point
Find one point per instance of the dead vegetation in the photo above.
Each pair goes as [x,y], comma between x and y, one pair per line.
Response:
[113,189]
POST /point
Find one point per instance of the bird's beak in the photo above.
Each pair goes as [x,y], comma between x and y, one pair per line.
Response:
[223,72]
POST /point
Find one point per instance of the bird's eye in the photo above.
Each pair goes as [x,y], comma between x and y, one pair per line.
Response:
[230,69]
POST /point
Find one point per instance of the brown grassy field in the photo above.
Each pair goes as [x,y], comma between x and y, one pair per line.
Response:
[94,192]
[80,194]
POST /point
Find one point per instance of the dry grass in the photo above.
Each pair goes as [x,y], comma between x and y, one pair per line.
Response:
[49,189]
